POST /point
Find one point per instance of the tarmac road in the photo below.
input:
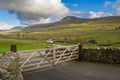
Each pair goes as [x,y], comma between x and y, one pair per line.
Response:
[74,70]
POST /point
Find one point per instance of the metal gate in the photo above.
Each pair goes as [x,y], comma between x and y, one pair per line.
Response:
[35,59]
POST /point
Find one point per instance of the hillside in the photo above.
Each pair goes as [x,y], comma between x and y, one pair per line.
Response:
[74,20]
[102,30]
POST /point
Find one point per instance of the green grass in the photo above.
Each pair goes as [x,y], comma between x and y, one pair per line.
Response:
[21,45]
[25,44]
[103,36]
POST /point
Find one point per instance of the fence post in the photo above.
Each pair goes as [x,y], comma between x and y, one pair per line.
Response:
[54,56]
[13,48]
[80,52]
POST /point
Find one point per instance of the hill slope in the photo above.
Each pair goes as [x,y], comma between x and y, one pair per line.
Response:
[74,20]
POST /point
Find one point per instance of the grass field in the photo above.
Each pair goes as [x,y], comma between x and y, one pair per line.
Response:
[24,44]
[21,45]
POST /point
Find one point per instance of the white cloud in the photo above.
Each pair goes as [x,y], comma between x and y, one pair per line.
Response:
[107,3]
[4,26]
[79,14]
[99,14]
[75,5]
[42,20]
[116,5]
[35,11]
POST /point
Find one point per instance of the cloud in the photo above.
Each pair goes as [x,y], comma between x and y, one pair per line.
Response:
[75,5]
[107,3]
[99,14]
[116,6]
[4,26]
[35,11]
[79,14]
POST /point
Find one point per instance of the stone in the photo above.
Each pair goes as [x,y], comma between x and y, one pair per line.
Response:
[9,67]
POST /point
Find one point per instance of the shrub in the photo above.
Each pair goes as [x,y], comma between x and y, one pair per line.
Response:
[78,39]
[92,41]
[117,28]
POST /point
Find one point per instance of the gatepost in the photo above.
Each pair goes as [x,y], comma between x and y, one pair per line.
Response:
[80,52]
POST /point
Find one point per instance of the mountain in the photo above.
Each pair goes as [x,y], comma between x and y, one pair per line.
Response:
[75,20]
[64,21]
[68,18]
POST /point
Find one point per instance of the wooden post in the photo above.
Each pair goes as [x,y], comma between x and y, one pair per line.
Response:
[13,48]
[80,52]
[54,56]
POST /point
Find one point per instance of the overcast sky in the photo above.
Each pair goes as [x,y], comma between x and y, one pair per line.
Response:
[27,12]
